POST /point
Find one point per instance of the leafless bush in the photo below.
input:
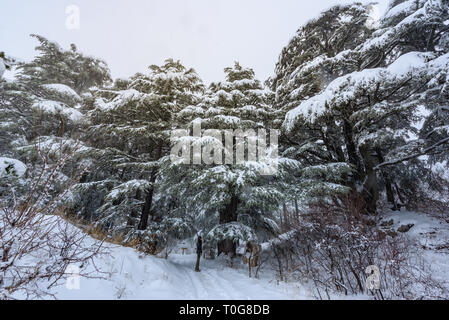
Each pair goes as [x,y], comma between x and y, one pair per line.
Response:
[36,245]
[431,197]
[333,245]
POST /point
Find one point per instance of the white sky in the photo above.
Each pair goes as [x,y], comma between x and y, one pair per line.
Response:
[130,35]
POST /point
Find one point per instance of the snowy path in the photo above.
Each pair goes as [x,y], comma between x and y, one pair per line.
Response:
[132,276]
[216,281]
[128,274]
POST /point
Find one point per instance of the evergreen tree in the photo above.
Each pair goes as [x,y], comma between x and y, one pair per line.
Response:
[41,111]
[129,135]
[72,68]
[232,200]
[306,66]
[366,117]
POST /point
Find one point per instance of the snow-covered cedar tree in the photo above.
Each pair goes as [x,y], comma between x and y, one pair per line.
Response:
[15,116]
[56,79]
[129,134]
[13,109]
[220,194]
[367,113]
[72,68]
[40,107]
[305,67]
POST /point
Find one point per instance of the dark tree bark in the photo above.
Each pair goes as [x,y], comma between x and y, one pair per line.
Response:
[370,191]
[365,172]
[284,211]
[351,149]
[388,186]
[143,223]
[197,265]
[228,214]
[296,209]
[199,251]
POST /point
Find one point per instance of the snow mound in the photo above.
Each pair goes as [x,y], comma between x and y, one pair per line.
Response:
[12,166]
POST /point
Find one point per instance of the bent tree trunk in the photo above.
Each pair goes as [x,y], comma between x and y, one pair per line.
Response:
[370,191]
[364,172]
[388,185]
[351,150]
[143,223]
[228,214]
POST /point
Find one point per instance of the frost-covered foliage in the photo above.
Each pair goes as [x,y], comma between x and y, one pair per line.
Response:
[363,114]
[2,67]
[54,82]
[40,114]
[337,249]
[372,97]
[235,231]
[38,248]
[129,132]
[6,63]
[12,179]
[221,192]
[12,167]
[306,65]
[71,68]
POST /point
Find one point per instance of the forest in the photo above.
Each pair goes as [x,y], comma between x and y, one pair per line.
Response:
[356,112]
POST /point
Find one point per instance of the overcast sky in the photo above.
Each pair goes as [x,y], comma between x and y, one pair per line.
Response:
[130,35]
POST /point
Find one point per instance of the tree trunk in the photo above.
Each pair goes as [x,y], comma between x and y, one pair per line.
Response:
[228,214]
[401,198]
[351,149]
[365,171]
[388,186]
[284,210]
[197,266]
[370,191]
[296,209]
[143,223]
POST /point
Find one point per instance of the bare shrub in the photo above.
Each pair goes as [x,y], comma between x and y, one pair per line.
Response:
[431,197]
[333,245]
[36,245]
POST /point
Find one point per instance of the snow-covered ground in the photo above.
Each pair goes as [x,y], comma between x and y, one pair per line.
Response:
[128,274]
[431,232]
[123,273]
[132,275]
